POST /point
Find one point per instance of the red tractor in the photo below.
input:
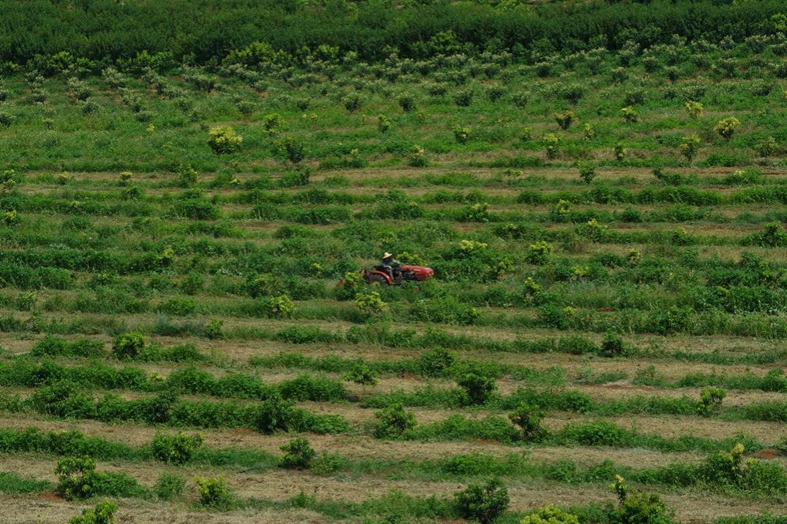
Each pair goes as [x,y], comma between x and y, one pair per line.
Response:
[378,275]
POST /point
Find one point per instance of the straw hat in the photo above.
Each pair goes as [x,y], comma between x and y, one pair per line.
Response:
[387,254]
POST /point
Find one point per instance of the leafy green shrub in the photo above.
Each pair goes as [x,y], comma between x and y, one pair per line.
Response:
[128,345]
[710,401]
[689,146]
[694,109]
[103,513]
[538,253]
[483,503]
[587,172]
[78,479]
[725,128]
[214,329]
[362,374]
[298,454]
[275,414]
[418,157]
[435,362]
[464,98]
[462,134]
[224,140]
[280,306]
[292,149]
[638,507]
[565,120]
[393,422]
[766,147]
[551,144]
[528,418]
[370,303]
[383,123]
[612,344]
[630,115]
[175,449]
[550,514]
[214,492]
[169,486]
[477,386]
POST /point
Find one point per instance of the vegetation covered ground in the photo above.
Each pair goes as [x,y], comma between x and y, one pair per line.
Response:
[183,219]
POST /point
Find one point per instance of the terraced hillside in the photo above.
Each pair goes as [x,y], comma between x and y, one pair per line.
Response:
[609,291]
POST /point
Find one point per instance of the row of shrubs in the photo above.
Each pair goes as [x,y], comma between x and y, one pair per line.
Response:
[66,400]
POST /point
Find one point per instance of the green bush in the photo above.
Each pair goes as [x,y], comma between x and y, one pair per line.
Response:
[550,514]
[435,362]
[214,492]
[393,422]
[612,344]
[298,454]
[478,387]
[638,507]
[169,486]
[103,513]
[483,503]
[528,418]
[128,345]
[710,401]
[362,374]
[175,449]
[224,140]
[275,414]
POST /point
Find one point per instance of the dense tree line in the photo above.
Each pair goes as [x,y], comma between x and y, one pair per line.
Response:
[202,31]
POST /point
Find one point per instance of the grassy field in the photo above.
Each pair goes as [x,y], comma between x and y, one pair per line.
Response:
[609,293]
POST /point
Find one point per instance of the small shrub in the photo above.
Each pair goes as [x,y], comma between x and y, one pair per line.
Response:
[383,123]
[528,418]
[478,387]
[638,507]
[407,103]
[370,304]
[694,109]
[565,120]
[214,492]
[461,134]
[393,422]
[176,449]
[550,514]
[103,513]
[689,145]
[435,362]
[362,374]
[538,253]
[551,145]
[128,345]
[275,414]
[766,147]
[710,401]
[630,115]
[224,140]
[464,98]
[214,329]
[298,454]
[612,344]
[292,149]
[483,503]
[587,172]
[619,152]
[588,132]
[169,486]
[280,306]
[725,128]
[77,477]
[418,157]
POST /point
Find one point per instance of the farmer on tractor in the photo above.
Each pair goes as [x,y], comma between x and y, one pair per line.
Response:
[389,265]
